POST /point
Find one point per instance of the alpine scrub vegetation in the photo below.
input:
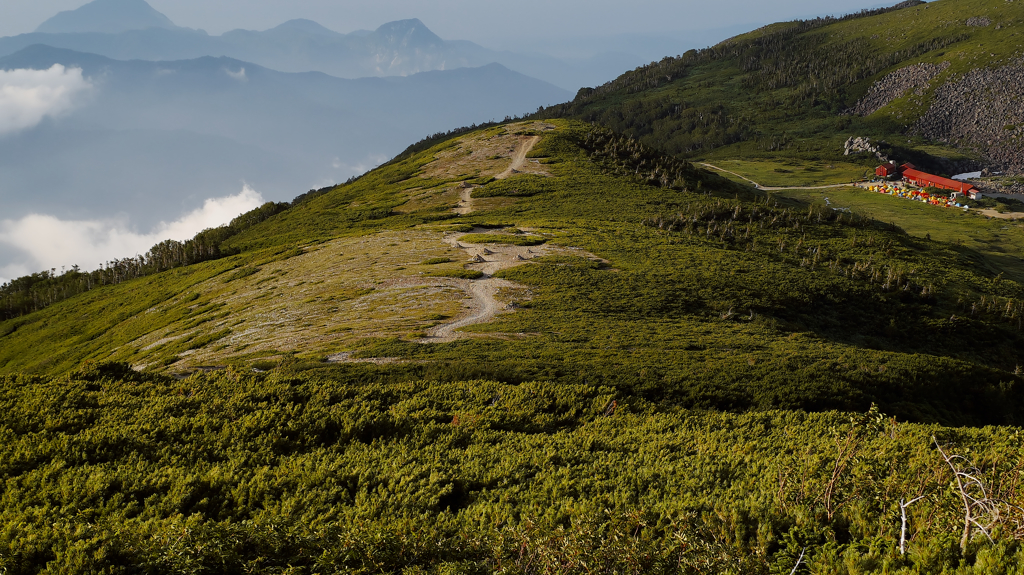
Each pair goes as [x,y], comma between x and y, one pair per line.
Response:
[684,375]
[110,471]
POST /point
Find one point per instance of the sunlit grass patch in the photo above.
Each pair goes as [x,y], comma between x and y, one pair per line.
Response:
[794,172]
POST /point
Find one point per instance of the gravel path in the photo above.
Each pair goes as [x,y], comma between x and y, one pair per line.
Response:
[776,189]
[519,158]
[483,304]
[465,205]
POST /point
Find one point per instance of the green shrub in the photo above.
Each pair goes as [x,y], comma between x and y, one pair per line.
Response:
[514,240]
[457,273]
[241,273]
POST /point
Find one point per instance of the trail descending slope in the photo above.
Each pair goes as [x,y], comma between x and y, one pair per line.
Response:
[777,188]
[519,159]
[484,303]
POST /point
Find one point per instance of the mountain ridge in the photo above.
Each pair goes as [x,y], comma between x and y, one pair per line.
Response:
[401,47]
[691,228]
[107,16]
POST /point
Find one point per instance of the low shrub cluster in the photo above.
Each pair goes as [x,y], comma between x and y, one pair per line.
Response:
[110,471]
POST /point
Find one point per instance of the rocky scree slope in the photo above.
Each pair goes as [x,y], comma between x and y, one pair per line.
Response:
[982,110]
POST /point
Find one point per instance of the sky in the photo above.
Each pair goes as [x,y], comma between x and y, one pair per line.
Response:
[522,26]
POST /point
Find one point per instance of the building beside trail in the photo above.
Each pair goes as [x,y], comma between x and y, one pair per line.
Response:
[887,170]
[909,174]
[925,180]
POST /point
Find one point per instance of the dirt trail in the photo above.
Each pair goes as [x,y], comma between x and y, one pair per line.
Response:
[776,189]
[519,158]
[1002,216]
[483,304]
[483,308]
[465,205]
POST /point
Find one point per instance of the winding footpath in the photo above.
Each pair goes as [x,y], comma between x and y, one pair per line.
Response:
[519,158]
[483,304]
[777,189]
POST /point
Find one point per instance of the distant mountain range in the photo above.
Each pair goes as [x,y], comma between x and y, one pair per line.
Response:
[108,17]
[132,29]
[156,138]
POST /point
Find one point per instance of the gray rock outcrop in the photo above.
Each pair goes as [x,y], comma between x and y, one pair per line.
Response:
[895,85]
[857,145]
[982,110]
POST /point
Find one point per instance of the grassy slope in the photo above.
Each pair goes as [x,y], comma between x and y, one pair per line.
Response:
[559,438]
[714,109]
[792,172]
[995,244]
[782,307]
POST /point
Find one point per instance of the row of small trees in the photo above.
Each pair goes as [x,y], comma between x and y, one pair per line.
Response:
[34,292]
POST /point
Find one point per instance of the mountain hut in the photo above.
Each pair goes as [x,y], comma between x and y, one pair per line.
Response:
[925,180]
[888,170]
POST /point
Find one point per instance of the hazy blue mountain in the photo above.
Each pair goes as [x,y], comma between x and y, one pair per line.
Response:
[131,29]
[108,17]
[158,137]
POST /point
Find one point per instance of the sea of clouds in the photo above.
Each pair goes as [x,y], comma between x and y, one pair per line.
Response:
[39,242]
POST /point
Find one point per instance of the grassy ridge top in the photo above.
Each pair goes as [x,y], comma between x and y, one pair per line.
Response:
[661,280]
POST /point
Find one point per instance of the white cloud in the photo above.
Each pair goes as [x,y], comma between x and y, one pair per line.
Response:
[46,242]
[28,96]
[359,168]
[239,75]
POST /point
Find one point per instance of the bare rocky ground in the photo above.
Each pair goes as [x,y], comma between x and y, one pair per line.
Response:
[982,110]
[483,302]
[895,85]
[490,154]
[489,296]
[1000,186]
[323,302]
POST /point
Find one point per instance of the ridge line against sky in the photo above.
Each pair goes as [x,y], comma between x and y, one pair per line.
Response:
[529,26]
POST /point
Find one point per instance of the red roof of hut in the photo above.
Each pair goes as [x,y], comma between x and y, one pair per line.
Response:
[928,180]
